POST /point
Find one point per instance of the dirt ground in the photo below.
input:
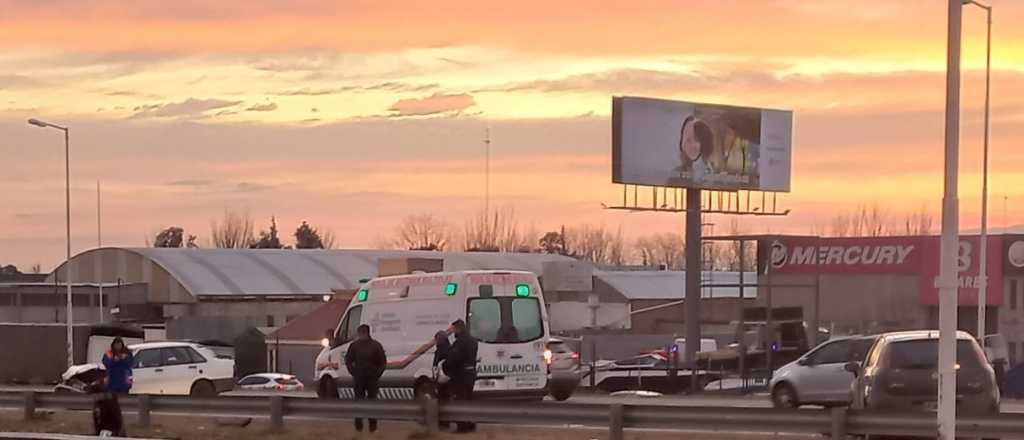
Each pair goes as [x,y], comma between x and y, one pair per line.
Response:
[209,429]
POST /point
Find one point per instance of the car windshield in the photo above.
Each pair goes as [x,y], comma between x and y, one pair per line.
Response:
[286,381]
[924,354]
[505,319]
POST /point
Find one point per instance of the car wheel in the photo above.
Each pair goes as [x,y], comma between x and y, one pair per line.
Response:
[327,389]
[203,388]
[784,396]
[561,395]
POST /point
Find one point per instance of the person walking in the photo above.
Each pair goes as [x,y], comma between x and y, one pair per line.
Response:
[118,362]
[365,361]
[461,368]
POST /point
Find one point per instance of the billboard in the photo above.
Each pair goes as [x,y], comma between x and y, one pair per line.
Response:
[691,145]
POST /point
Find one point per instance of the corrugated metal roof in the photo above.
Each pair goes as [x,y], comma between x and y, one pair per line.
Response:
[671,284]
[220,272]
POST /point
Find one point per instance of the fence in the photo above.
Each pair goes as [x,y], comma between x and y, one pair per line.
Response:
[838,422]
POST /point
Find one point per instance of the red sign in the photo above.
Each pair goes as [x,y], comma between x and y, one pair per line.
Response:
[968,267]
[846,255]
[890,255]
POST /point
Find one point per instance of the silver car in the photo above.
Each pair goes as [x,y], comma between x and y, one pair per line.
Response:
[819,377]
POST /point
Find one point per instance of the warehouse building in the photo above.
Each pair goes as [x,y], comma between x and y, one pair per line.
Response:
[873,284]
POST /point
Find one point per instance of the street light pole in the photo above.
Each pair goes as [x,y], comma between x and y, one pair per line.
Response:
[982,267]
[67,201]
[947,281]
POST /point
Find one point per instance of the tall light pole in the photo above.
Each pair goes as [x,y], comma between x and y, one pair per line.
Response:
[67,200]
[947,281]
[982,267]
[99,244]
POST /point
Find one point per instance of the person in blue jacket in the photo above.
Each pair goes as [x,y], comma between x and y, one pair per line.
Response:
[118,362]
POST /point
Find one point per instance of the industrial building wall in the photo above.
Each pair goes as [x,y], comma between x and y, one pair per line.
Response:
[574,315]
[852,303]
[37,354]
[219,328]
[669,320]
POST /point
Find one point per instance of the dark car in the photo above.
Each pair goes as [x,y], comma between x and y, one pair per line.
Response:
[900,373]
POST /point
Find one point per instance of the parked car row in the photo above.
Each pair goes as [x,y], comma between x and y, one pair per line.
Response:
[896,371]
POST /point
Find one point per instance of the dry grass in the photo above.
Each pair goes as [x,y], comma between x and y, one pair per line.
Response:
[165,427]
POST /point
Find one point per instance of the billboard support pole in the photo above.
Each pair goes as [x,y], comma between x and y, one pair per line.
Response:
[947,280]
[693,276]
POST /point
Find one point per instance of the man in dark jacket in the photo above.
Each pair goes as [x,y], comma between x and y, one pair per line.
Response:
[461,368]
[366,361]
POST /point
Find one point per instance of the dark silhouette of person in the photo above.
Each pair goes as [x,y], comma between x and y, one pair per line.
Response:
[365,361]
[461,368]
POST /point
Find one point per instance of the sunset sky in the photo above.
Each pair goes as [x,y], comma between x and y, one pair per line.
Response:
[353,114]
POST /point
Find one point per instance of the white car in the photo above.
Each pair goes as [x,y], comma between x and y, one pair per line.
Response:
[819,377]
[180,368]
[270,382]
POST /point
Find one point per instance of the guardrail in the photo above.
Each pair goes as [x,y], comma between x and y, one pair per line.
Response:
[838,422]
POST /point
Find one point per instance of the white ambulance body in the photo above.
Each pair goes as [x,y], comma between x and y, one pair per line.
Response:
[503,310]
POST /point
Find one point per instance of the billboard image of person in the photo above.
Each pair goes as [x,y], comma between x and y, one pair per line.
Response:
[680,144]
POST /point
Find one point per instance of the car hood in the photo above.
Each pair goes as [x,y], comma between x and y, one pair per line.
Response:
[783,371]
[75,370]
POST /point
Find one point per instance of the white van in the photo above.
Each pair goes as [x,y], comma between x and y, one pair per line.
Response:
[503,310]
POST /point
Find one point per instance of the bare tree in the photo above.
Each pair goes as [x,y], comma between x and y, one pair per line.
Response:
[595,244]
[875,220]
[328,239]
[727,256]
[234,231]
[865,221]
[36,268]
[493,232]
[662,249]
[918,223]
[422,232]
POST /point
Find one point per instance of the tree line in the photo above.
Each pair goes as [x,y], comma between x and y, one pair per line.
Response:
[237,230]
[499,230]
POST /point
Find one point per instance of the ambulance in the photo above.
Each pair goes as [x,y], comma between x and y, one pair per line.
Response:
[503,310]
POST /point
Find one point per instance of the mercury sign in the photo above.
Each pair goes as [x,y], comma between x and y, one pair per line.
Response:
[845,255]
[912,256]
[691,145]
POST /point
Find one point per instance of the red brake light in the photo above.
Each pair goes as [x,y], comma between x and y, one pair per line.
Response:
[575,355]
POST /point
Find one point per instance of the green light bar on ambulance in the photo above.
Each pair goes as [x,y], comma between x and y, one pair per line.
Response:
[450,289]
[362,295]
[522,290]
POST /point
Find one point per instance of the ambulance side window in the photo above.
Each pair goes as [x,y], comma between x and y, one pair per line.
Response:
[347,329]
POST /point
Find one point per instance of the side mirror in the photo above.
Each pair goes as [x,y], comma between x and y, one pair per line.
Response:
[852,367]
[803,362]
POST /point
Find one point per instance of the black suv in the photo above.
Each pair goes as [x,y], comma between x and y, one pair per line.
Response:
[900,372]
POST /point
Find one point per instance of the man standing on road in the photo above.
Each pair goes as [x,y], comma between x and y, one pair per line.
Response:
[461,368]
[365,360]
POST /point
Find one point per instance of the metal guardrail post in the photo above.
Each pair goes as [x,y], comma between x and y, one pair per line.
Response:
[30,404]
[432,415]
[615,422]
[276,413]
[838,423]
[145,407]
